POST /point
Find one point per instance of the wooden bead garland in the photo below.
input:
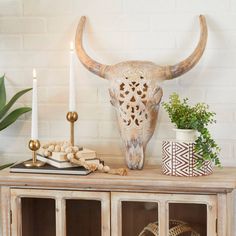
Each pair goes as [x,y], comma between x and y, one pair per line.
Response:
[73,156]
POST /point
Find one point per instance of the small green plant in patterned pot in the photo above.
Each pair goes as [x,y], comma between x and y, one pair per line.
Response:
[194,150]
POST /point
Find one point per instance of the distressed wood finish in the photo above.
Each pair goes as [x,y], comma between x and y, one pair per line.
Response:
[150,179]
[135,91]
[5,211]
[149,185]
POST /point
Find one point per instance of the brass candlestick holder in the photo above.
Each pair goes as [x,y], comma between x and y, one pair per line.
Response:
[72,117]
[34,145]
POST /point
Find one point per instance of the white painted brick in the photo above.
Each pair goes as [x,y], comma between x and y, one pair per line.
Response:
[202,5]
[104,41]
[90,7]
[23,128]
[232,5]
[15,77]
[22,25]
[214,77]
[87,129]
[231,40]
[108,130]
[46,77]
[52,77]
[154,149]
[45,7]
[87,95]
[47,42]
[60,24]
[33,60]
[96,112]
[14,145]
[12,42]
[226,153]
[221,21]
[221,96]
[104,146]
[224,112]
[163,116]
[164,131]
[217,39]
[27,98]
[118,22]
[51,112]
[86,79]
[103,95]
[220,58]
[225,131]
[61,95]
[194,95]
[10,8]
[174,21]
[152,6]
[83,129]
[153,40]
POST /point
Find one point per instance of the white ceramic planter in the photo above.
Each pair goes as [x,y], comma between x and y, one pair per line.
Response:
[188,135]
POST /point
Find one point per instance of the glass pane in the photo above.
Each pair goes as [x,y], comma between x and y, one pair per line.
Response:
[195,215]
[138,215]
[83,217]
[38,217]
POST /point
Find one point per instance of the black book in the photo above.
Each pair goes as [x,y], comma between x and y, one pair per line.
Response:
[48,169]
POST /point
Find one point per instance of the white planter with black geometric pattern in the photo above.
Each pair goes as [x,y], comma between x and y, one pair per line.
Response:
[179,159]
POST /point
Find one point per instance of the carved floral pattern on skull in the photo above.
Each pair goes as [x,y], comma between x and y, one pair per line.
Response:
[133,99]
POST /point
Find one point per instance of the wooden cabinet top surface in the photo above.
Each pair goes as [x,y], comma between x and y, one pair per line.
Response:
[149,179]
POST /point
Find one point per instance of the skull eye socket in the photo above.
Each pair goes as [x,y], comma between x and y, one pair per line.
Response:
[126,77]
[141,77]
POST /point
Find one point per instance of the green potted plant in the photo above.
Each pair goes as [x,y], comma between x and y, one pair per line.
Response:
[194,120]
[6,117]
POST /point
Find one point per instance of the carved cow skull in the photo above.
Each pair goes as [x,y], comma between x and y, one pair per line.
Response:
[136,93]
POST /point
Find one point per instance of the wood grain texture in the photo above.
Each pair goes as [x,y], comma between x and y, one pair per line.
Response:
[148,180]
[149,185]
[5,211]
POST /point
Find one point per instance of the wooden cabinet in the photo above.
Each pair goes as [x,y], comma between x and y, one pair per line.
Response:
[58,213]
[104,205]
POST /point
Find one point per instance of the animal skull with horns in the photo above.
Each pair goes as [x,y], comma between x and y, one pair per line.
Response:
[136,93]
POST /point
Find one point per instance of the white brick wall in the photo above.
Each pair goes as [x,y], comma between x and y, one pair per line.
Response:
[37,34]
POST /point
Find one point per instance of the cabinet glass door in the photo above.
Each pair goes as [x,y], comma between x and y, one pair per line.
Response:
[134,214]
[83,217]
[59,213]
[188,218]
[192,215]
[38,217]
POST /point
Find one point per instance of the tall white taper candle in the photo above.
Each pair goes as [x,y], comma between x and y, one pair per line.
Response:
[34,125]
[72,106]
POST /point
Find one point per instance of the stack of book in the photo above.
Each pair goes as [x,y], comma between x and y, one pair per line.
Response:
[58,164]
[59,160]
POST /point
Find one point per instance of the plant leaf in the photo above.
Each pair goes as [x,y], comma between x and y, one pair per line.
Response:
[6,108]
[6,165]
[2,92]
[13,116]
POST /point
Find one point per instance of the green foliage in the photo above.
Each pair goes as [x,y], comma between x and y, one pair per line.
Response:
[5,166]
[196,117]
[8,119]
